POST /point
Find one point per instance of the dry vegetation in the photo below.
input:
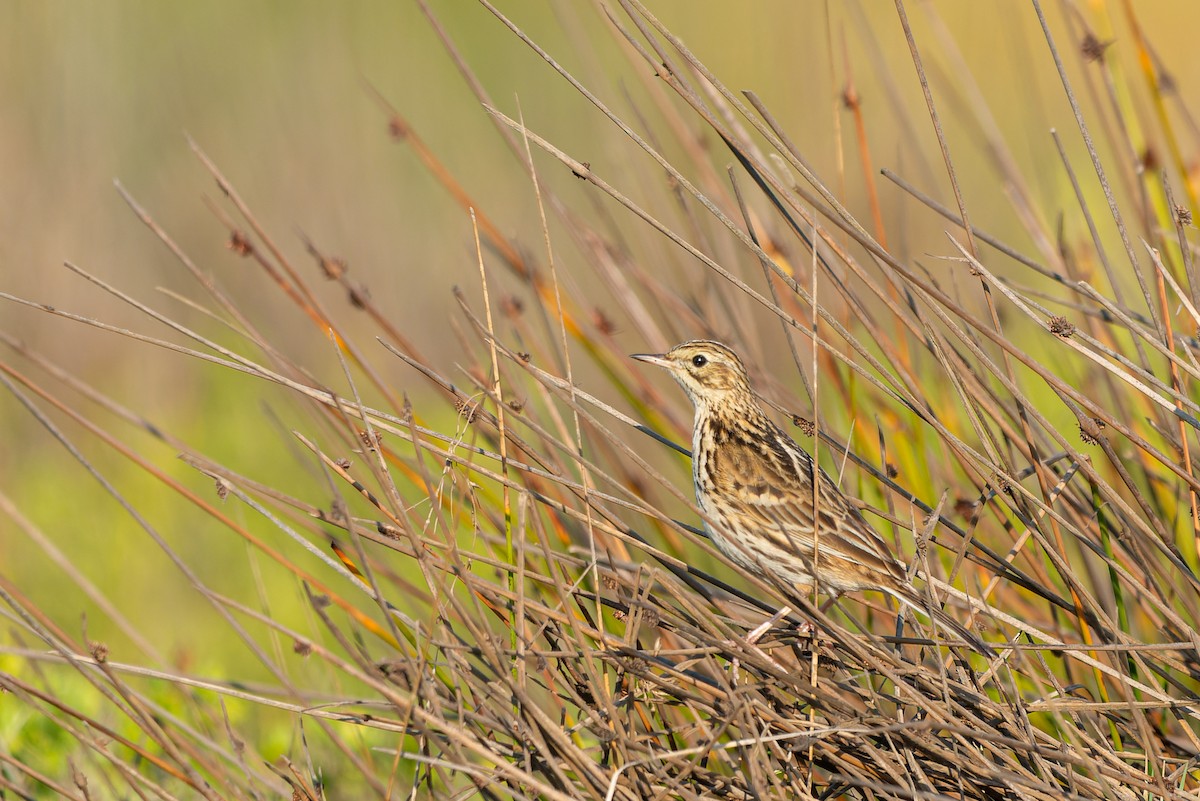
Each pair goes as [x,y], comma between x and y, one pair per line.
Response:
[501,599]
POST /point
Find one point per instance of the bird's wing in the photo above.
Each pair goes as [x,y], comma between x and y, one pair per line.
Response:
[771,478]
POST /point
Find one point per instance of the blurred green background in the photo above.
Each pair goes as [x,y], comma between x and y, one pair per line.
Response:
[280,96]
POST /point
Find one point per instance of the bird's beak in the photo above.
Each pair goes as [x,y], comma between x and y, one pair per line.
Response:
[657,359]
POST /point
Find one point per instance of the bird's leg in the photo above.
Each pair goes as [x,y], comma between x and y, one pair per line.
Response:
[767,625]
[753,637]
[807,628]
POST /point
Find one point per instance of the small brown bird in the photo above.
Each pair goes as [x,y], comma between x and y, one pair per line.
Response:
[754,485]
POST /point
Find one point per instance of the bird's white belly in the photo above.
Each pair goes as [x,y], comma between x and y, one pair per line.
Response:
[758,555]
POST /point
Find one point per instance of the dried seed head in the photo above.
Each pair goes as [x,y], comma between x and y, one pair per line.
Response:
[398,128]
[1090,428]
[99,651]
[359,296]
[850,97]
[603,323]
[391,532]
[467,408]
[967,508]
[1061,326]
[333,268]
[637,664]
[1092,48]
[806,426]
[239,243]
[512,306]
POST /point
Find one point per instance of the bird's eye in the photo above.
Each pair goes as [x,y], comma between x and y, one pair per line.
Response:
[700,360]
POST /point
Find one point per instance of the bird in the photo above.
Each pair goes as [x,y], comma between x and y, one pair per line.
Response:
[754,488]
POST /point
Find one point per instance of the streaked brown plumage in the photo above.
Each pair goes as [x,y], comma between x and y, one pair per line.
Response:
[754,485]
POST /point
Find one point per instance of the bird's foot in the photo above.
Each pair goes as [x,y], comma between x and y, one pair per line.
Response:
[806,630]
[762,628]
[755,635]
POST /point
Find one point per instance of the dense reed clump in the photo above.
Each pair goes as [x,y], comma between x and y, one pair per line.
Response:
[506,589]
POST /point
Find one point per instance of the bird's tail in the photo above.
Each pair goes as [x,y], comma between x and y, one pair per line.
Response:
[943,621]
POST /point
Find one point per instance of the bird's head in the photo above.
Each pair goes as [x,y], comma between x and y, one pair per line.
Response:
[709,372]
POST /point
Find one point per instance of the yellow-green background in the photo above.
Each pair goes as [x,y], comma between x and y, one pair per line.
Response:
[279,95]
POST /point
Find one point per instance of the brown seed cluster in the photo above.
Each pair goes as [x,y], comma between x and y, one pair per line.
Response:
[1061,326]
[1090,428]
[807,427]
